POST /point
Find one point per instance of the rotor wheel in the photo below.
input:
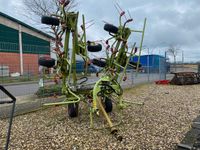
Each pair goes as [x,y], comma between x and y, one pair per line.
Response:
[50,20]
[73,110]
[99,63]
[94,48]
[46,62]
[108,105]
[110,28]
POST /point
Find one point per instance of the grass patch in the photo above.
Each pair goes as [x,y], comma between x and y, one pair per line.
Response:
[49,90]
[18,79]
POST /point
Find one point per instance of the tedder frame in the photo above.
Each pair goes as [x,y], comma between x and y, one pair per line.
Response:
[101,94]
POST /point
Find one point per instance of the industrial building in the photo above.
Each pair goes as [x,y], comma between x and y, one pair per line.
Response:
[152,63]
[20,46]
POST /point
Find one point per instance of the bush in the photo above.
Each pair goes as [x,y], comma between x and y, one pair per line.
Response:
[49,90]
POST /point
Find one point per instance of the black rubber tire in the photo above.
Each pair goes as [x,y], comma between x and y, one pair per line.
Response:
[94,48]
[135,64]
[110,28]
[108,105]
[46,62]
[50,20]
[99,63]
[73,110]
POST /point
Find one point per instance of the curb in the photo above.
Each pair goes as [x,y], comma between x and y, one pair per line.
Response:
[31,103]
[21,83]
[27,106]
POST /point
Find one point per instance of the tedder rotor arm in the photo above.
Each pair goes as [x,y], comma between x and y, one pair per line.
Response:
[141,42]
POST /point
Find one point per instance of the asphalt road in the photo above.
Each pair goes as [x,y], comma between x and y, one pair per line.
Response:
[20,89]
[31,88]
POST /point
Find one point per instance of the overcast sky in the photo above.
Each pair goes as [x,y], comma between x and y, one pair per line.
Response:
[172,22]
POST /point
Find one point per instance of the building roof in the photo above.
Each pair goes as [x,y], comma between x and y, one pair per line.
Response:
[25,25]
[152,55]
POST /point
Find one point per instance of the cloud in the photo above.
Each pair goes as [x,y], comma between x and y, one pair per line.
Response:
[175,22]
[13,8]
[168,23]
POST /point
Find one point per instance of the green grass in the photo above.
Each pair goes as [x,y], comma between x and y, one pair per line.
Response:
[49,90]
[18,79]
[30,78]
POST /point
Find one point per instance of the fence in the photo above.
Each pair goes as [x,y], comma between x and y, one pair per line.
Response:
[184,68]
[10,73]
[28,83]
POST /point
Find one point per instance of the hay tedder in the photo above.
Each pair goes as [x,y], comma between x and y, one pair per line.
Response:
[102,94]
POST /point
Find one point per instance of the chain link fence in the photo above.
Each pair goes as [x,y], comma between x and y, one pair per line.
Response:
[28,83]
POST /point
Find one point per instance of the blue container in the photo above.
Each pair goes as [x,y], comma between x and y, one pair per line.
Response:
[156,62]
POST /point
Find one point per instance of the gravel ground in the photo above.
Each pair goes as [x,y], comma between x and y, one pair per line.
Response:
[160,124]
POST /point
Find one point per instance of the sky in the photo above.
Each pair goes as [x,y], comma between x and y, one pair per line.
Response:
[172,22]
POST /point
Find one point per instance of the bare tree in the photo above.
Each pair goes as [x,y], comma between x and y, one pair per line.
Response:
[173,51]
[34,9]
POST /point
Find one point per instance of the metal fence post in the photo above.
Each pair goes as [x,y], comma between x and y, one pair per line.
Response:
[132,76]
[165,70]
[28,73]
[148,65]
[198,68]
[159,67]
[2,73]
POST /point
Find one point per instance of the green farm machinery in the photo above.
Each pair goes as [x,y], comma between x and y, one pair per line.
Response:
[102,94]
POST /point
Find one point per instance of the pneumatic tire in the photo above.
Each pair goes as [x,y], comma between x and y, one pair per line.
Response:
[50,20]
[110,28]
[108,105]
[99,63]
[73,110]
[46,62]
[94,48]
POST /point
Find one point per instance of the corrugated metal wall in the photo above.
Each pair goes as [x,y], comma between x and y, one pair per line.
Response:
[9,42]
[9,39]
[34,45]
[154,63]
[154,60]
